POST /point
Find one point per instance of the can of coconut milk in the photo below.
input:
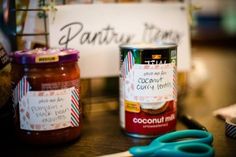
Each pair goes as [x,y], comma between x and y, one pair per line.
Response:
[148,89]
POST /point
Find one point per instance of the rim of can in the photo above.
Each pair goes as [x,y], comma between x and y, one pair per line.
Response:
[146,46]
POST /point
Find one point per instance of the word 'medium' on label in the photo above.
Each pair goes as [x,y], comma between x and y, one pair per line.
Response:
[47,59]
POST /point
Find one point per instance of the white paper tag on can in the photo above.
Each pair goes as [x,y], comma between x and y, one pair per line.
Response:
[151,83]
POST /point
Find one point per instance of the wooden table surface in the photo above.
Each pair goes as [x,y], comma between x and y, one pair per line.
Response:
[101,132]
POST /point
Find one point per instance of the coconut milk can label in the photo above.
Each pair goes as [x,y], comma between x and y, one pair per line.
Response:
[150,99]
[148,124]
[49,110]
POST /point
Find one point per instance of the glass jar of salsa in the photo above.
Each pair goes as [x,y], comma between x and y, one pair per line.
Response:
[46,95]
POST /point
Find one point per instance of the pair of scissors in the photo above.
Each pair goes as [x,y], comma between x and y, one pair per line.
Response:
[184,143]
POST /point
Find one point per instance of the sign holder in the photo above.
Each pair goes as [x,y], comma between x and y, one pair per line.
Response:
[12,23]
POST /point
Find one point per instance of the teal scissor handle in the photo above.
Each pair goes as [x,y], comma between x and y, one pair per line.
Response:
[184,143]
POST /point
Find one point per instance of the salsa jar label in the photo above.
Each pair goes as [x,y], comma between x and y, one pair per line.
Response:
[48,109]
[148,91]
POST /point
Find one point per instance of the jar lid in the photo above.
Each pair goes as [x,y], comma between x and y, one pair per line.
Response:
[45,55]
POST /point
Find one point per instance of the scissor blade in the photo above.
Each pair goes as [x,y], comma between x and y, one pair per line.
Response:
[121,154]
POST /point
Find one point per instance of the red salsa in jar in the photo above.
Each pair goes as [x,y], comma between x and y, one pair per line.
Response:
[46,95]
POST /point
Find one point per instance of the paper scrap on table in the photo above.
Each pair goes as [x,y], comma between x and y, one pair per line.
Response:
[226,112]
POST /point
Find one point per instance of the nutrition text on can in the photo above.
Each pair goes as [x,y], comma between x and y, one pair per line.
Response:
[148,89]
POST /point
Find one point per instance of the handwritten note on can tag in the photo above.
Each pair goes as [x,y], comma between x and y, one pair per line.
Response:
[156,80]
[98,30]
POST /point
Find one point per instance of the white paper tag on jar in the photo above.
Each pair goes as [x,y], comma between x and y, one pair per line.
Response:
[49,110]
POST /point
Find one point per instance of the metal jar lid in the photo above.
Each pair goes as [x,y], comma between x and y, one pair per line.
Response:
[44,55]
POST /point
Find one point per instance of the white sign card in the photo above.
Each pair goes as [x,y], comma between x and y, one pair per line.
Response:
[97,31]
